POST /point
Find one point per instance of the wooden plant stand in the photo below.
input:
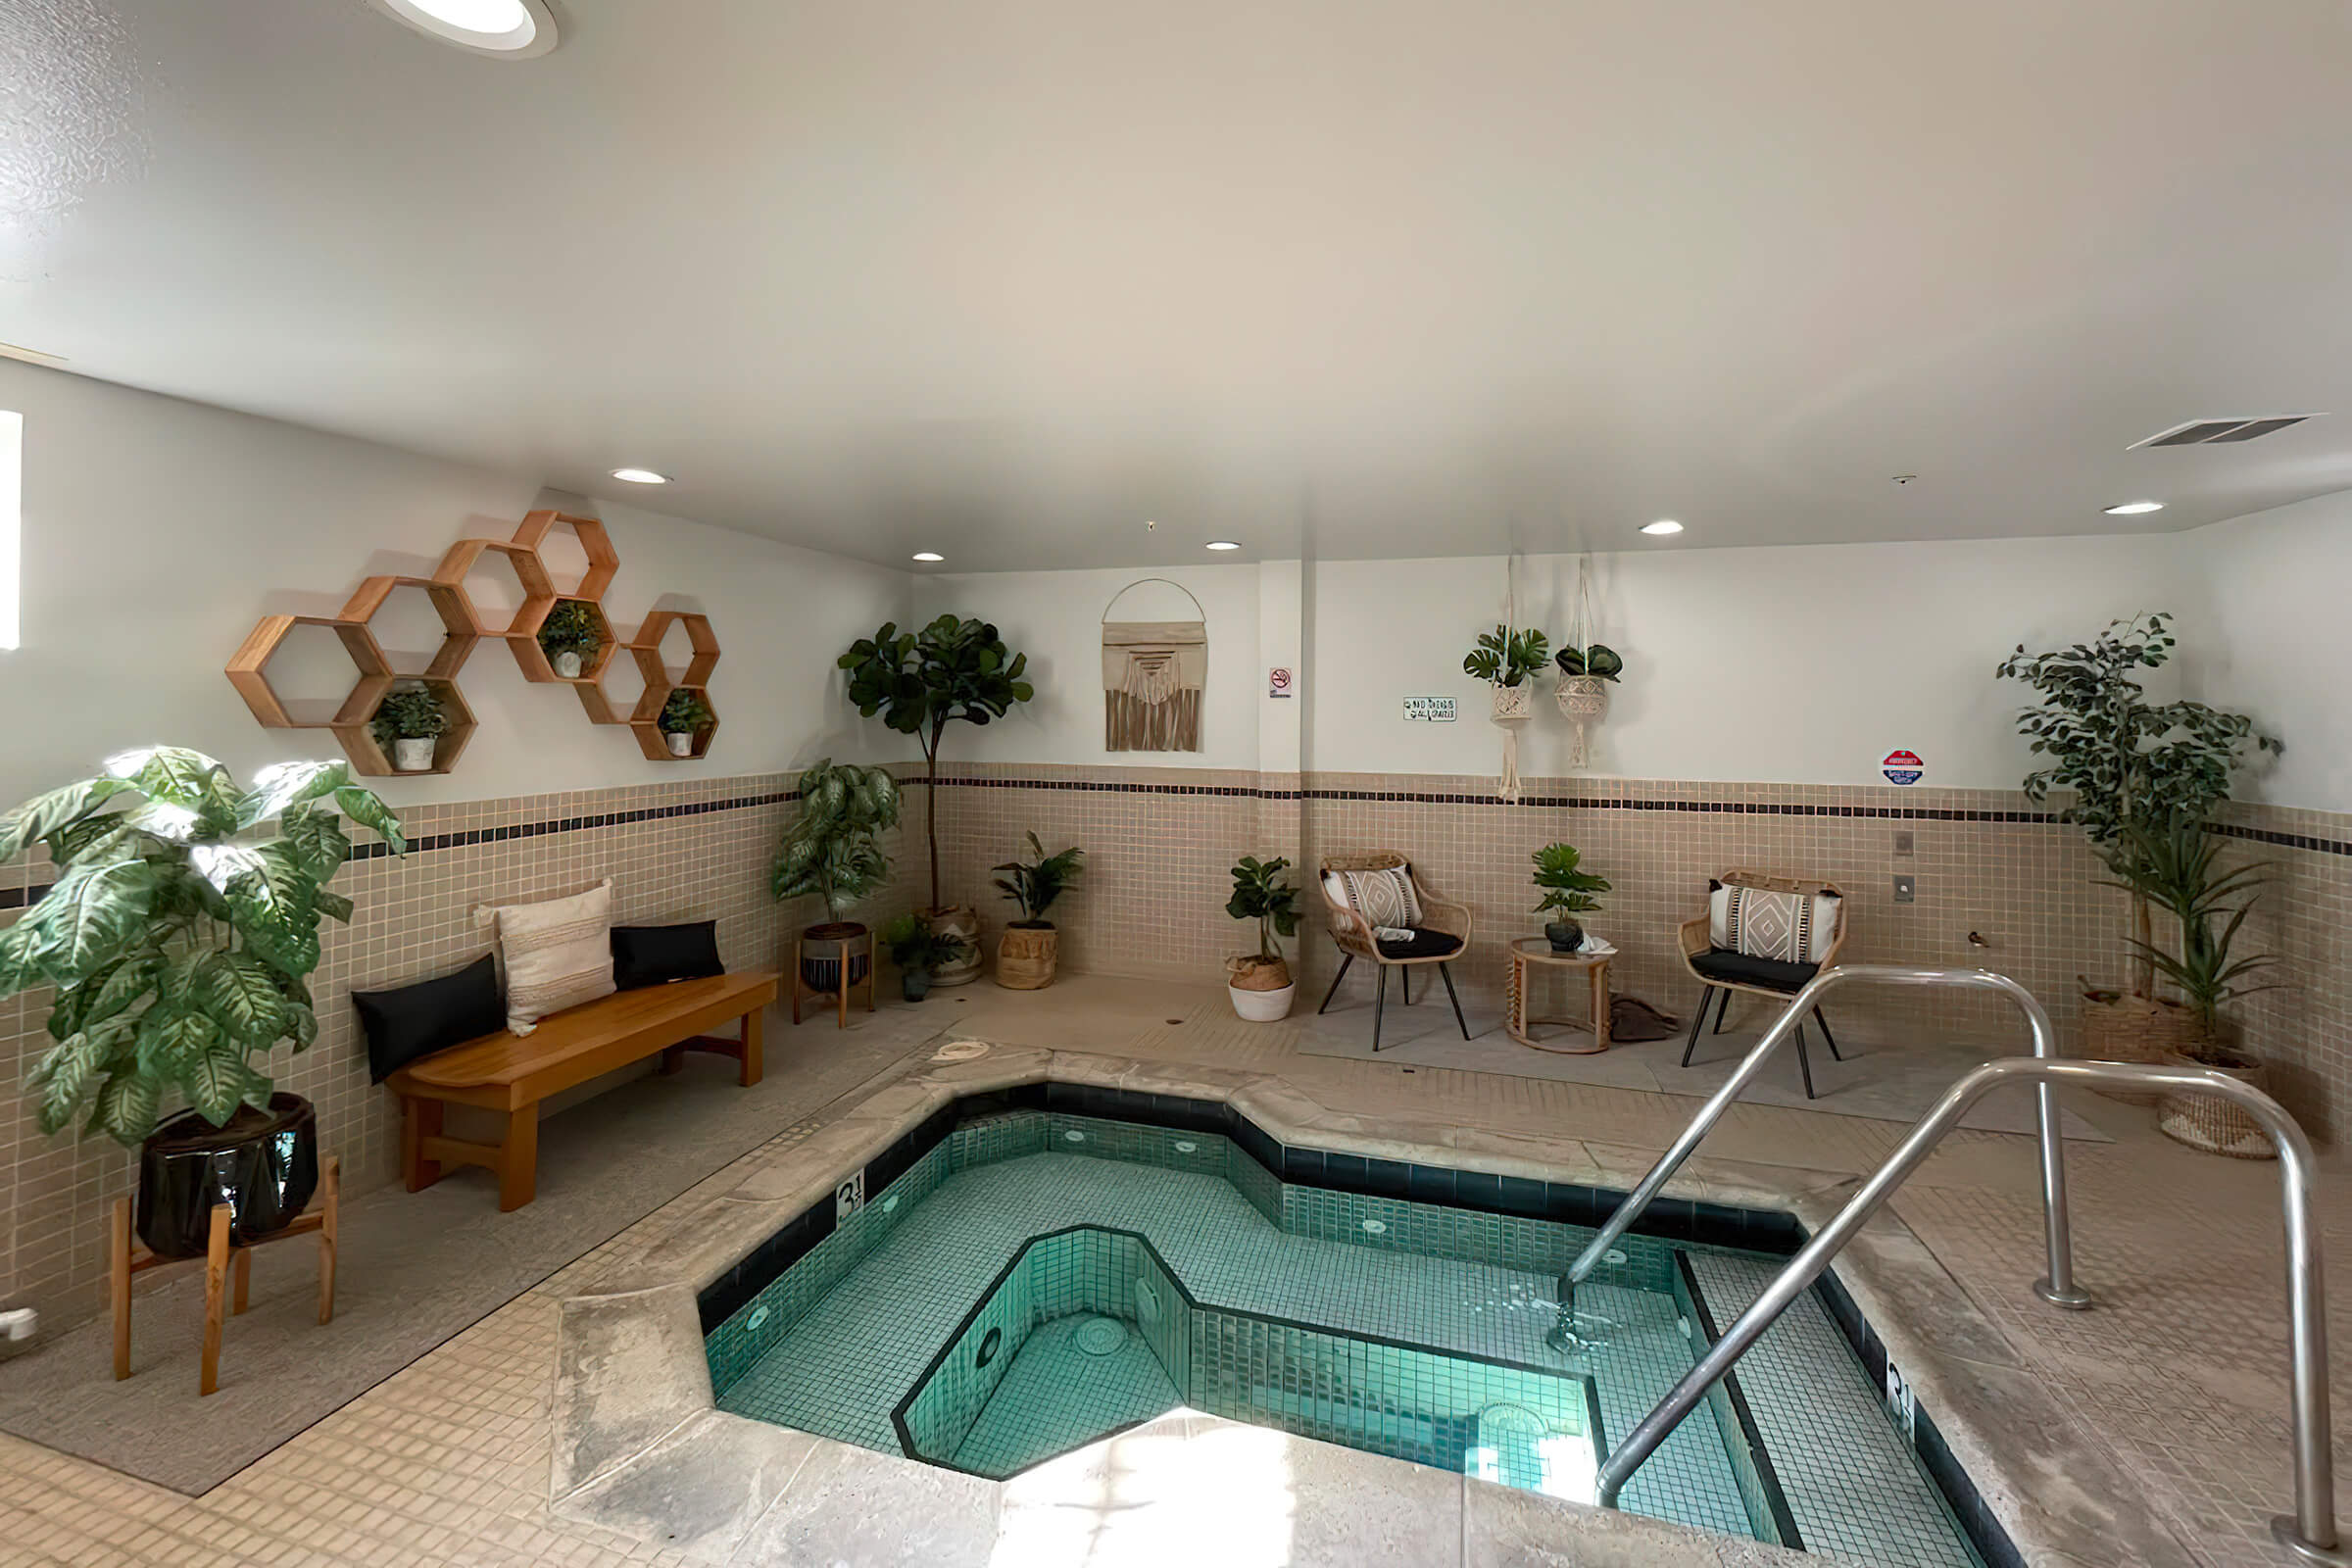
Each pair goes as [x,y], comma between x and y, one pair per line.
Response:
[227,1269]
[806,945]
[1538,952]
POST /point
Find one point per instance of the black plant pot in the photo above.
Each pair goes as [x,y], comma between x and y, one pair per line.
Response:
[822,971]
[914,984]
[263,1165]
[1566,935]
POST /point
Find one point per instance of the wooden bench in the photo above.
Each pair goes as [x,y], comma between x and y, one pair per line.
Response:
[513,1073]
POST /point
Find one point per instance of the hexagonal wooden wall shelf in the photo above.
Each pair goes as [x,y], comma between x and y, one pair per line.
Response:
[531,583]
[646,724]
[367,757]
[660,679]
[595,544]
[249,670]
[538,668]
[449,602]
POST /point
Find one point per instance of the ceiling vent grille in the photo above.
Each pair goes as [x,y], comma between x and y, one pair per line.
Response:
[2207,432]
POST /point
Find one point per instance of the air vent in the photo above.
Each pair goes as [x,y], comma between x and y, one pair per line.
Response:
[2204,433]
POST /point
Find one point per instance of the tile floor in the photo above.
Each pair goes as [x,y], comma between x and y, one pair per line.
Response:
[2180,1372]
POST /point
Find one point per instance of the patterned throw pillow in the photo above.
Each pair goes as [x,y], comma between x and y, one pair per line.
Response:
[1382,898]
[557,955]
[1792,927]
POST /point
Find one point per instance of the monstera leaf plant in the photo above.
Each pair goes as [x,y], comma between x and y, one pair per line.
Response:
[178,934]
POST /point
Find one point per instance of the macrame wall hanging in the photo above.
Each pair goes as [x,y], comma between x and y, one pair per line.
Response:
[1583,698]
[1152,674]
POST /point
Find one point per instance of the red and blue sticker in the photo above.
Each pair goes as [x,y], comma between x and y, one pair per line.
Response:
[1903,768]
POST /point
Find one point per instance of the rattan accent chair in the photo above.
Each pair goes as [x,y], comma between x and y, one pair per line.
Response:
[1718,970]
[1442,935]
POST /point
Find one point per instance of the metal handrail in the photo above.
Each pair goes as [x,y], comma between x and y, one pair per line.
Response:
[2057,1287]
[2311,1533]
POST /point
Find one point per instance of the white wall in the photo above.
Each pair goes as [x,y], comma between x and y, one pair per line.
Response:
[1056,618]
[1797,664]
[156,531]
[2272,644]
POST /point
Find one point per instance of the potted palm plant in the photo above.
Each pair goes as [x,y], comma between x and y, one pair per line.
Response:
[920,682]
[1259,983]
[408,723]
[1027,952]
[683,718]
[180,941]
[2134,768]
[830,851]
[916,949]
[570,636]
[2179,871]
[1567,889]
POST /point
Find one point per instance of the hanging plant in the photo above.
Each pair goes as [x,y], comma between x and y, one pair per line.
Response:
[1587,669]
[1508,658]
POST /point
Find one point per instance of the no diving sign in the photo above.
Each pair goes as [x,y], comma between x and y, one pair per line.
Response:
[1903,768]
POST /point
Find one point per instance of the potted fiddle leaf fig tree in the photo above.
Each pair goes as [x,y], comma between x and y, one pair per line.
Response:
[1259,984]
[408,722]
[830,851]
[179,937]
[2134,769]
[1568,889]
[920,682]
[1026,952]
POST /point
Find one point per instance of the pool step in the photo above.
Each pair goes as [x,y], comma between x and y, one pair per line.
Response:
[1847,1477]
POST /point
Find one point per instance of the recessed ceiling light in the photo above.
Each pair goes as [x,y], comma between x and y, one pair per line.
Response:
[640,477]
[1223,543]
[1664,526]
[506,29]
[2132,509]
[929,554]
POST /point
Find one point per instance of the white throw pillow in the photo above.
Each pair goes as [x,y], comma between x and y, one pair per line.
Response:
[1382,898]
[1789,926]
[556,954]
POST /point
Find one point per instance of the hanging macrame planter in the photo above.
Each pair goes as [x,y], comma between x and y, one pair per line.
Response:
[1514,706]
[1153,675]
[1584,697]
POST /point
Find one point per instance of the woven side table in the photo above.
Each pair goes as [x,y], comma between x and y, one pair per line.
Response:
[1593,1037]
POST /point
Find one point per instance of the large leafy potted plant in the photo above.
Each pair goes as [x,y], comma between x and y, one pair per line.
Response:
[2179,871]
[922,682]
[830,851]
[1027,952]
[1259,983]
[2134,768]
[916,949]
[1568,889]
[179,939]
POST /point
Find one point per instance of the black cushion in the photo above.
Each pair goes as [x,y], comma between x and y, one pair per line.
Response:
[656,954]
[1738,968]
[417,1020]
[1425,943]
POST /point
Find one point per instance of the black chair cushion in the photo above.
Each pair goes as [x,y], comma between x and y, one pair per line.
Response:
[1738,968]
[419,1019]
[1425,943]
[657,955]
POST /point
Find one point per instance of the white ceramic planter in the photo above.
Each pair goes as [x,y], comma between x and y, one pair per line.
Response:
[568,664]
[413,755]
[1263,1007]
[681,742]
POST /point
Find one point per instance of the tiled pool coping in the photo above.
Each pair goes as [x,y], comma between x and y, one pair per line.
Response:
[639,1447]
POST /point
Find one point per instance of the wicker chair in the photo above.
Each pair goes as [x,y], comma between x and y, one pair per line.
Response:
[1444,934]
[1716,969]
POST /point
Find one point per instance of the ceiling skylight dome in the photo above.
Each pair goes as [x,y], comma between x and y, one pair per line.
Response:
[505,30]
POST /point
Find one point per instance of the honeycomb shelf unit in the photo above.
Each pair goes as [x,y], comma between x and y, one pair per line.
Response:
[662,682]
[368,757]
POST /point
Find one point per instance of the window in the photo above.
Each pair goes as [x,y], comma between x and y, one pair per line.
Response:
[12,495]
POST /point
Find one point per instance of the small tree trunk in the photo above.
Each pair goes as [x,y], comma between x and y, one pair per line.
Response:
[2143,931]
[931,811]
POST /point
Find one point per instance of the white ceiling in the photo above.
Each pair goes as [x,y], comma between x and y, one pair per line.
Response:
[1007,278]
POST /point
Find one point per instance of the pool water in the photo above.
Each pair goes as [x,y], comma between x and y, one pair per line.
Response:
[1038,1280]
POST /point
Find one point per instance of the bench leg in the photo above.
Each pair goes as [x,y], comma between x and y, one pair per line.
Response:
[519,1159]
[118,1242]
[754,1025]
[419,1120]
[672,1059]
[216,1279]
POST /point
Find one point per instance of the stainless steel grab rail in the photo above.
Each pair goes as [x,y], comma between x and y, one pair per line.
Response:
[2311,1533]
[2057,1287]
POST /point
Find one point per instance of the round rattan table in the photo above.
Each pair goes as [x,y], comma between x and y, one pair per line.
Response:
[1590,1037]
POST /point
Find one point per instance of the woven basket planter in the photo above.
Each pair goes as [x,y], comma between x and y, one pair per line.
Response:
[2135,1029]
[1261,991]
[965,926]
[1584,702]
[1025,956]
[2215,1125]
[1515,702]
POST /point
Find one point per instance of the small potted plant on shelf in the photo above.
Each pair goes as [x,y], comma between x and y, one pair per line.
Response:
[1508,659]
[917,951]
[1569,889]
[830,851]
[683,718]
[180,941]
[2179,871]
[1027,952]
[1259,983]
[570,636]
[408,723]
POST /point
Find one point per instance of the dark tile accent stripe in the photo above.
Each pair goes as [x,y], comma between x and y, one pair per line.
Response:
[2284,841]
